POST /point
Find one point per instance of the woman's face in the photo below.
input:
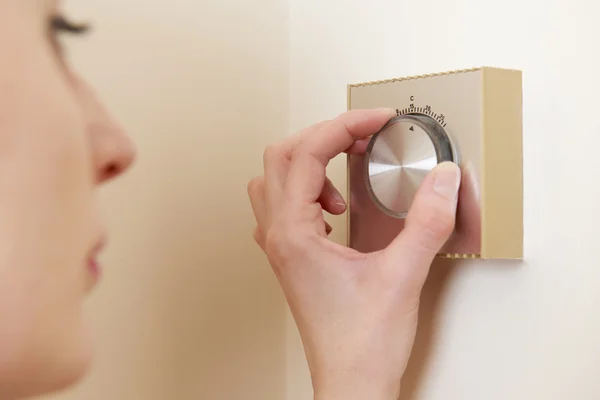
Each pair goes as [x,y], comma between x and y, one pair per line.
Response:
[57,145]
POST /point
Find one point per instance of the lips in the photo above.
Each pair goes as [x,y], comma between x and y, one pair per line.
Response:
[93,265]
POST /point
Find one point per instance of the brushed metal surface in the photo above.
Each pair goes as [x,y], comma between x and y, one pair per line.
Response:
[400,156]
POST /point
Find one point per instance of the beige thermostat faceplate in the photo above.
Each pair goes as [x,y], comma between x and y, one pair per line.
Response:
[480,111]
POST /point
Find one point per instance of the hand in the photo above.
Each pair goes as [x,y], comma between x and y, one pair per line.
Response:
[356,313]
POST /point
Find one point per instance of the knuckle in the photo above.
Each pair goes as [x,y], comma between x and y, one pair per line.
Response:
[274,242]
[258,236]
[279,243]
[271,152]
[340,123]
[254,185]
[349,120]
[302,149]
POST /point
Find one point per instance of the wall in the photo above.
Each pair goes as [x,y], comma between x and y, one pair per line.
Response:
[181,315]
[188,307]
[489,330]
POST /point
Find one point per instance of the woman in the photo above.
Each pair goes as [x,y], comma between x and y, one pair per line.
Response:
[357,313]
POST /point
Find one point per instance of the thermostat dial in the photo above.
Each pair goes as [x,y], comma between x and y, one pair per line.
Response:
[399,157]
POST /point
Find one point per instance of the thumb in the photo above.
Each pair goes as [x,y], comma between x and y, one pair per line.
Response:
[429,223]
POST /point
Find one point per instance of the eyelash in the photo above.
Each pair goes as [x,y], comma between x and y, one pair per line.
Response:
[60,24]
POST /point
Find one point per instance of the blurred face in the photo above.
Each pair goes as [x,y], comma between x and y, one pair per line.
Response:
[57,145]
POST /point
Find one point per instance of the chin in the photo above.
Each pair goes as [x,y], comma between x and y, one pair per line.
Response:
[68,371]
[72,373]
[29,377]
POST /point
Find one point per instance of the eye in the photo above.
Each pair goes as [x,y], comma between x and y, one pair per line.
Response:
[60,24]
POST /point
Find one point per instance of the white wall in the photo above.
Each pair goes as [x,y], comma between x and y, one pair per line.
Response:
[188,307]
[490,330]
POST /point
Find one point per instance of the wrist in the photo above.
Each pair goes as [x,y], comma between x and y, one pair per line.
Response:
[363,393]
[356,388]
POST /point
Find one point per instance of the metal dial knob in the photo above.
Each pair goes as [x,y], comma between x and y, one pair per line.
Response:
[399,157]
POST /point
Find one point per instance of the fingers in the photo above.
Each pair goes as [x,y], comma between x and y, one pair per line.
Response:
[276,161]
[342,132]
[358,148]
[256,193]
[259,237]
[429,224]
[331,200]
[467,231]
[275,164]
[306,175]
[295,187]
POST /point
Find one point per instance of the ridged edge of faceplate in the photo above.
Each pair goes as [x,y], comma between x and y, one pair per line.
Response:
[459,256]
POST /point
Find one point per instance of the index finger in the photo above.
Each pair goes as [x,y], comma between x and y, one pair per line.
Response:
[342,132]
[310,157]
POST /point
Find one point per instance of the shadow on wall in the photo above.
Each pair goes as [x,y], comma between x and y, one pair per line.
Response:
[444,275]
[438,280]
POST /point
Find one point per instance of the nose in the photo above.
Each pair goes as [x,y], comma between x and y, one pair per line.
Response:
[113,151]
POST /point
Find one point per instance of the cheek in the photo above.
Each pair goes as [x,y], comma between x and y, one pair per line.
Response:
[46,225]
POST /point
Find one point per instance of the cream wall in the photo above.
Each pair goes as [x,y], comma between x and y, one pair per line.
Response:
[490,330]
[188,307]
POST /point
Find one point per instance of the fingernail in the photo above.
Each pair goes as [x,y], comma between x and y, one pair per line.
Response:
[447,180]
[391,111]
[336,196]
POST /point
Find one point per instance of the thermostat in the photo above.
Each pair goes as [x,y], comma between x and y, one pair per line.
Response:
[471,117]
